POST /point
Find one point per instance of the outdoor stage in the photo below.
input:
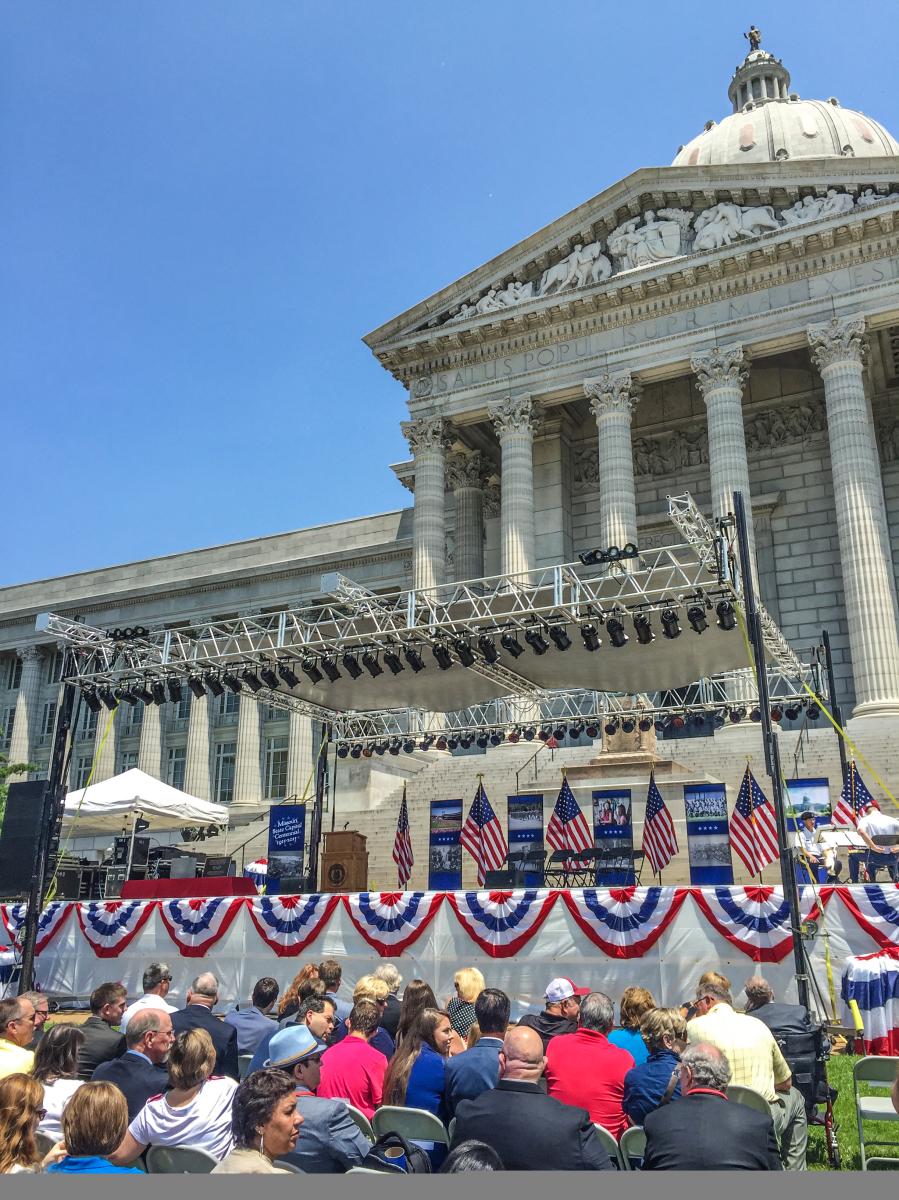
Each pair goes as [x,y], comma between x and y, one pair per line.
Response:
[662,938]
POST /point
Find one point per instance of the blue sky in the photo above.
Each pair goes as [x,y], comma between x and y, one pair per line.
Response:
[204,206]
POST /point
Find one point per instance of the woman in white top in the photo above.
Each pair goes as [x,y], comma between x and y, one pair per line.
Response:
[195,1111]
[56,1067]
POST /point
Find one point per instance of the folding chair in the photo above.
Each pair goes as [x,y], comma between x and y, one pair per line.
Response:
[361,1120]
[243,1065]
[289,1166]
[610,1146]
[451,1129]
[632,1147]
[875,1070]
[415,1124]
[750,1097]
[179,1160]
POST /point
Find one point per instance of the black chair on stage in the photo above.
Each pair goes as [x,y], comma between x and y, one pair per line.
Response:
[570,868]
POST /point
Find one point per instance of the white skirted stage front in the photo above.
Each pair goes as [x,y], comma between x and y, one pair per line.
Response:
[660,937]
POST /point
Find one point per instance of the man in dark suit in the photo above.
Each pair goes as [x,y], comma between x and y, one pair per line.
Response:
[390,1017]
[704,1131]
[202,997]
[255,1022]
[102,1039]
[529,1130]
[140,1073]
[477,1070]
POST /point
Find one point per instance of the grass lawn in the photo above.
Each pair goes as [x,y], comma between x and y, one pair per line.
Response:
[839,1072]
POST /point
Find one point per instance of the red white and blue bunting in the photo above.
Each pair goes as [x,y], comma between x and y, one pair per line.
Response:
[502,922]
[872,981]
[49,923]
[756,919]
[289,923]
[110,925]
[392,921]
[876,908]
[624,922]
[195,925]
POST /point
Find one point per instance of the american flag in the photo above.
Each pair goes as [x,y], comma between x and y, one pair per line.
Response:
[659,838]
[568,828]
[753,827]
[853,798]
[483,837]
[402,845]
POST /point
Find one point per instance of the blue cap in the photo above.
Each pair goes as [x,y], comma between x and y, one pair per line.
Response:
[293,1044]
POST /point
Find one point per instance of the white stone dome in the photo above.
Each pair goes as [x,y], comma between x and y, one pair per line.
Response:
[769,124]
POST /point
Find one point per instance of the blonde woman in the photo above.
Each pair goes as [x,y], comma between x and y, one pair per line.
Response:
[375,990]
[469,983]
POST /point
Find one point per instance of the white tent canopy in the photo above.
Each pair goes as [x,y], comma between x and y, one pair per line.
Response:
[107,806]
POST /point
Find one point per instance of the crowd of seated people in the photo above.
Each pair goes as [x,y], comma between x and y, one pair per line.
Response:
[284,1086]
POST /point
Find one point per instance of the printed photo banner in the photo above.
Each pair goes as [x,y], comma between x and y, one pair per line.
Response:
[49,923]
[876,908]
[196,925]
[445,846]
[625,922]
[525,828]
[391,921]
[111,925]
[502,922]
[708,834]
[613,834]
[287,924]
[756,919]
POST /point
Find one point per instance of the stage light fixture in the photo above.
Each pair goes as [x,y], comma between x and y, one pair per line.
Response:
[512,645]
[252,680]
[174,690]
[776,713]
[413,658]
[371,664]
[157,687]
[611,728]
[441,743]
[464,652]
[197,686]
[592,730]
[628,725]
[559,635]
[142,691]
[488,648]
[813,712]
[536,641]
[367,752]
[289,676]
[408,746]
[394,747]
[483,739]
[496,738]
[351,665]
[393,661]
[670,624]
[660,724]
[229,679]
[615,629]
[736,715]
[515,735]
[530,733]
[643,629]
[591,638]
[329,666]
[91,699]
[792,712]
[356,752]
[380,747]
[576,729]
[268,677]
[543,734]
[310,670]
[109,698]
[442,656]
[465,741]
[214,684]
[696,617]
[755,715]
[126,694]
[560,732]
[342,751]
[645,725]
[677,721]
[452,743]
[727,618]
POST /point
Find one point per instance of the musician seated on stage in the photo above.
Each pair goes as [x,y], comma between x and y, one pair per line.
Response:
[811,849]
[875,824]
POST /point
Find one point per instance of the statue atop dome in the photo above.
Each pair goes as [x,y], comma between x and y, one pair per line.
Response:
[754,36]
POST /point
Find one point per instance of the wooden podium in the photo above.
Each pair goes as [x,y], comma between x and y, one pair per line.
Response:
[344,862]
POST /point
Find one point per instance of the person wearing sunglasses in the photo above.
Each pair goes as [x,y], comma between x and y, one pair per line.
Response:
[16,1032]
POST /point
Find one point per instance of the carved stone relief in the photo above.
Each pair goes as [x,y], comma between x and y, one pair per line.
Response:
[888,440]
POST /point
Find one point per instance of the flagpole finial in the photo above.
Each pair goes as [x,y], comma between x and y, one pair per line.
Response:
[564,771]
[480,775]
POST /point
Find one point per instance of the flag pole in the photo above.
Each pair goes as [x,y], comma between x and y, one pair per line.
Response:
[772,751]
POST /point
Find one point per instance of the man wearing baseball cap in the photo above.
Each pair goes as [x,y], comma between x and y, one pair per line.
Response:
[563,999]
[330,1142]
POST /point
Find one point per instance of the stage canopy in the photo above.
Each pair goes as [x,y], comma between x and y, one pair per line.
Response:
[104,807]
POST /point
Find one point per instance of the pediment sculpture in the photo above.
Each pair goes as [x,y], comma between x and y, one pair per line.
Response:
[659,236]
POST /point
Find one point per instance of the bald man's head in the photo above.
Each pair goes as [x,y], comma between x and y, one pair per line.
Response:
[522,1055]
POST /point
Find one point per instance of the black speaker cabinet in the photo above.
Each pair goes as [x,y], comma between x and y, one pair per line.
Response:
[19,835]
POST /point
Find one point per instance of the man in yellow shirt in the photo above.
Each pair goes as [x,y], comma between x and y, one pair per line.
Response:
[16,1031]
[755,1062]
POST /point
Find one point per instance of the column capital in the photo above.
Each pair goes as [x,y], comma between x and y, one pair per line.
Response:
[465,471]
[612,393]
[425,433]
[838,341]
[722,366]
[513,414]
[30,653]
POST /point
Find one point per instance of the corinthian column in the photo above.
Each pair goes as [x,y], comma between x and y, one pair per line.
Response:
[838,350]
[612,402]
[149,754]
[299,755]
[248,755]
[427,441]
[514,422]
[25,722]
[465,476]
[105,741]
[720,375]
[197,780]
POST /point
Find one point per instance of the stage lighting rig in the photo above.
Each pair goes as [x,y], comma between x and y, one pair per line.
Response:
[452,743]
[727,617]
[590,637]
[591,558]
[611,728]
[287,673]
[408,746]
[329,666]
[215,685]
[514,735]
[230,680]
[157,687]
[497,737]
[108,696]
[643,629]
[464,652]
[342,751]
[393,661]
[813,712]
[488,648]
[174,690]
[776,713]
[441,743]
[442,656]
[482,740]
[394,747]
[670,624]
[512,645]
[310,670]
[628,725]
[736,715]
[645,724]
[536,641]
[677,721]
[351,666]
[592,730]
[91,699]
[559,733]
[126,694]
[465,741]
[530,733]
[755,715]
[371,664]
[356,752]
[269,678]
[197,686]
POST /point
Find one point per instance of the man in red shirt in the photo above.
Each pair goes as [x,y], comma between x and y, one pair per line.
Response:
[353,1070]
[586,1070]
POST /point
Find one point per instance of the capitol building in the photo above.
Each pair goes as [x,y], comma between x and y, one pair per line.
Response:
[729,322]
